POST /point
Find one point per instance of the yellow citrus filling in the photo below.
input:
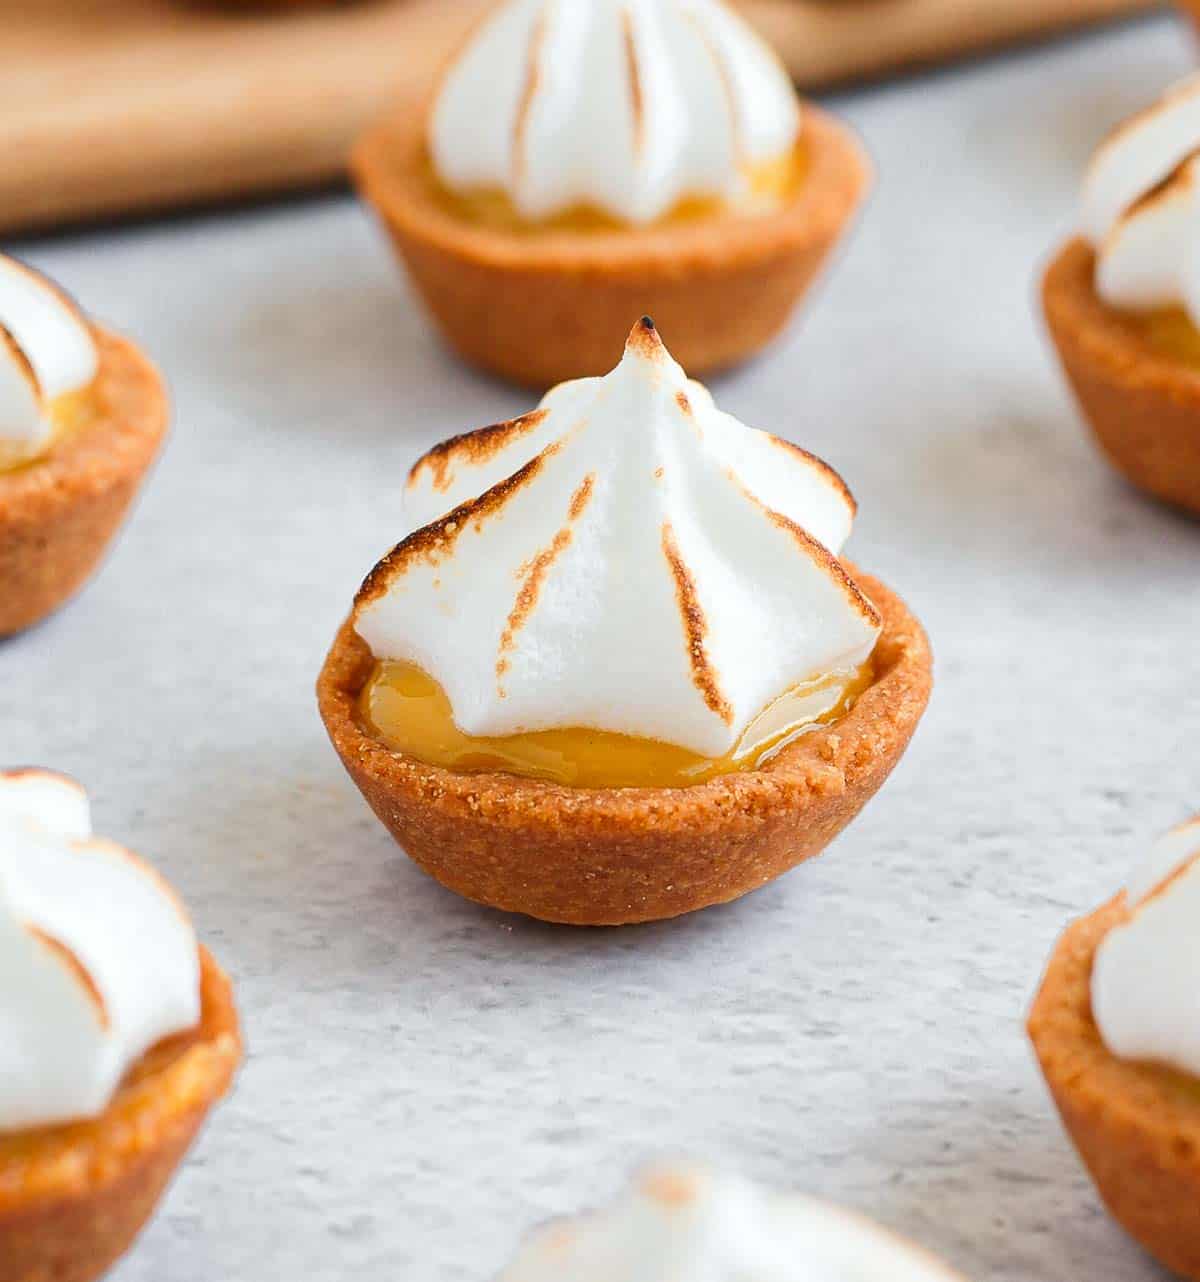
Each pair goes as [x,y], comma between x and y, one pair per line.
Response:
[1171,331]
[405,708]
[768,186]
[67,414]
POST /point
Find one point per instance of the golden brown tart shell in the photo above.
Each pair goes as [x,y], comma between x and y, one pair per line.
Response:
[1136,1126]
[614,856]
[541,308]
[59,513]
[73,1198]
[1143,406]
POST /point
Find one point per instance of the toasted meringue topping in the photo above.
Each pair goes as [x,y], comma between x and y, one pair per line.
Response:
[687,1223]
[1146,977]
[626,558]
[627,108]
[46,352]
[98,961]
[1141,205]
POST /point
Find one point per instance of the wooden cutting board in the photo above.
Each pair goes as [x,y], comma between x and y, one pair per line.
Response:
[115,106]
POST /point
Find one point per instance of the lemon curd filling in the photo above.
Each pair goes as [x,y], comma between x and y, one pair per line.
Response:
[405,708]
[68,414]
[768,185]
[1172,331]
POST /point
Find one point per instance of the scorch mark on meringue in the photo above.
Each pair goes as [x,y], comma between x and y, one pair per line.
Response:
[1180,179]
[695,628]
[533,575]
[1187,89]
[735,119]
[432,541]
[472,448]
[816,549]
[637,103]
[837,571]
[39,772]
[533,75]
[820,465]
[148,872]
[1176,874]
[76,969]
[671,1188]
[9,340]
[67,299]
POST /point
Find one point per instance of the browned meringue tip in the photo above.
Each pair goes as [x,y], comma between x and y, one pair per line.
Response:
[644,340]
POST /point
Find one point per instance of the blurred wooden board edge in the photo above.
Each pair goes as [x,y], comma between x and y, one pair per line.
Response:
[827,41]
[132,106]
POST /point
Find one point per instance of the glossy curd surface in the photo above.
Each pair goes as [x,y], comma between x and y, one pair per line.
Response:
[405,708]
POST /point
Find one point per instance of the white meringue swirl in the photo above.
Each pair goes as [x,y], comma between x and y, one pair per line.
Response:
[689,1223]
[98,960]
[1141,207]
[625,558]
[46,351]
[1146,976]
[628,108]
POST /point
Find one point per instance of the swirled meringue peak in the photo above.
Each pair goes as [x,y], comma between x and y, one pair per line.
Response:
[627,108]
[687,1223]
[1141,206]
[626,558]
[98,960]
[46,351]
[1146,977]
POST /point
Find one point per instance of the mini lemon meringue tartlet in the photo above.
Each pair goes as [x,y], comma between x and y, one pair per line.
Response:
[117,1036]
[692,1223]
[1115,1028]
[580,164]
[617,672]
[82,416]
[1123,299]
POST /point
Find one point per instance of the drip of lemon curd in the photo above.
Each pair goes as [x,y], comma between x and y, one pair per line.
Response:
[1172,331]
[768,185]
[406,709]
[68,414]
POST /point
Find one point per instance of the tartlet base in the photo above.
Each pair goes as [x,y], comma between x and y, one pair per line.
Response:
[616,856]
[1136,1125]
[59,513]
[73,1198]
[1142,406]
[543,308]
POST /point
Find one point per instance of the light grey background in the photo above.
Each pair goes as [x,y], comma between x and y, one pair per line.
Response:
[427,1077]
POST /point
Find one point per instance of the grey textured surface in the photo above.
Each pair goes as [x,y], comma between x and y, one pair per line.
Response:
[426,1076]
